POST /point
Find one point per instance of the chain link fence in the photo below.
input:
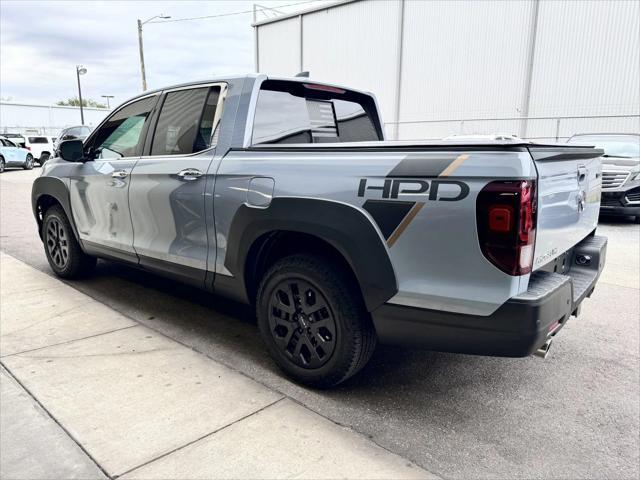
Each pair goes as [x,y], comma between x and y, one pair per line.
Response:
[541,129]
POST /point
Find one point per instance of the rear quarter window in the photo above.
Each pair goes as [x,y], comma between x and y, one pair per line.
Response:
[294,112]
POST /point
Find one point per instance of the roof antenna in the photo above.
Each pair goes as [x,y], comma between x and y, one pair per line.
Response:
[303,74]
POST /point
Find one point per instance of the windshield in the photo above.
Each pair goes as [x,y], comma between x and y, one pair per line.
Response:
[613,145]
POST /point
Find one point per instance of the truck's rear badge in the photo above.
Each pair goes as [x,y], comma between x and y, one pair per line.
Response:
[393,188]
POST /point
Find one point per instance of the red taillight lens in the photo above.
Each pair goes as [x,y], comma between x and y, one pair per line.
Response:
[28,148]
[506,218]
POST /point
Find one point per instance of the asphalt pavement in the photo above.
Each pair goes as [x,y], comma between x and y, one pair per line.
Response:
[574,415]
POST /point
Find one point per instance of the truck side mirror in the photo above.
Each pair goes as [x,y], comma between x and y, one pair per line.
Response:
[71,150]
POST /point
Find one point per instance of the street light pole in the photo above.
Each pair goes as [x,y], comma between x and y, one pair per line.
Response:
[107,97]
[80,70]
[144,77]
[141,48]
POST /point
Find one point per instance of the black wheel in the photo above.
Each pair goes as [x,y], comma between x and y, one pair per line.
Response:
[43,159]
[313,321]
[28,162]
[1,164]
[64,254]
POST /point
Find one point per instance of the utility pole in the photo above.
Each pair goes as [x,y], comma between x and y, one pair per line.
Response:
[140,46]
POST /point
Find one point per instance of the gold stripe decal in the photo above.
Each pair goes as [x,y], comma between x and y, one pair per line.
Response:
[453,166]
[404,224]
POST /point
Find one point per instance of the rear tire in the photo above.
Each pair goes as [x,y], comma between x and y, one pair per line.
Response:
[28,162]
[313,320]
[65,257]
[43,159]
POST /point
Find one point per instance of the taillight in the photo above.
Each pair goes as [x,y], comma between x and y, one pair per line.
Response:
[506,218]
[27,147]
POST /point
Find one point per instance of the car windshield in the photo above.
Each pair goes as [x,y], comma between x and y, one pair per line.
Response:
[613,145]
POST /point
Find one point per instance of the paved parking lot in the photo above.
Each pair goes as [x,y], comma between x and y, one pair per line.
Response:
[573,415]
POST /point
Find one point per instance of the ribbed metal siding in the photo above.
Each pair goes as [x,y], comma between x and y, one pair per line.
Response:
[470,60]
[587,62]
[587,59]
[463,59]
[355,45]
[279,48]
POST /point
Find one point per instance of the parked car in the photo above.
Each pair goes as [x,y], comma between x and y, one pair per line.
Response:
[41,147]
[16,138]
[11,155]
[79,132]
[283,194]
[620,171]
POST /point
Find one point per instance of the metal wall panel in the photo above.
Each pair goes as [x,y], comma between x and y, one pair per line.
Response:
[587,59]
[46,119]
[279,48]
[463,59]
[355,44]
[486,59]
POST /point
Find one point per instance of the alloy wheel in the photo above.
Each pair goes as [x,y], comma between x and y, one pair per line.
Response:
[57,243]
[302,323]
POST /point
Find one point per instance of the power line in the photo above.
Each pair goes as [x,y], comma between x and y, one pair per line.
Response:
[243,12]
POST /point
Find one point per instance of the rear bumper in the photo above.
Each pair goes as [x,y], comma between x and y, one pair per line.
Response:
[517,329]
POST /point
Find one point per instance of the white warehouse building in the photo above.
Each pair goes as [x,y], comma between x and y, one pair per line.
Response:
[539,69]
[29,118]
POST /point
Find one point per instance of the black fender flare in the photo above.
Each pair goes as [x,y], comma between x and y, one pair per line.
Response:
[343,226]
[56,188]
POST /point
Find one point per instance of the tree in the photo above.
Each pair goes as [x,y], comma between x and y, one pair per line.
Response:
[86,102]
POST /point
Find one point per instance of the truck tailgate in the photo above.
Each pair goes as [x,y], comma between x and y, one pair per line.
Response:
[569,186]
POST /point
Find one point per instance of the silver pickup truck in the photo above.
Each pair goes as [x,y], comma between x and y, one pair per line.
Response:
[283,193]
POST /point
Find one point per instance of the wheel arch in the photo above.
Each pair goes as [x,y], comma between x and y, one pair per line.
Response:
[333,228]
[49,191]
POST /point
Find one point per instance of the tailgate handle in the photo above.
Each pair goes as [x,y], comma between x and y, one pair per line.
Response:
[582,173]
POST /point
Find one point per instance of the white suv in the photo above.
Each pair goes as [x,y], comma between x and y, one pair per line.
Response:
[41,147]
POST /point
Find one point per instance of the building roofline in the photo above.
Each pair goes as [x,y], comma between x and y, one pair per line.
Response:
[317,8]
[68,107]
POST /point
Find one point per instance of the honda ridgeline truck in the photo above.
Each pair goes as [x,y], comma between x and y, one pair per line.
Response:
[283,194]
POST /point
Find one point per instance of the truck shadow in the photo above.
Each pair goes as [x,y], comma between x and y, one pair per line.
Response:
[226,331]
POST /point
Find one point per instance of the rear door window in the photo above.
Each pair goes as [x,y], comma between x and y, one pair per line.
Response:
[186,122]
[292,112]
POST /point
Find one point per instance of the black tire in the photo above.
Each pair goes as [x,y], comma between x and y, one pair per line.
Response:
[65,257]
[43,159]
[2,164]
[333,316]
[28,162]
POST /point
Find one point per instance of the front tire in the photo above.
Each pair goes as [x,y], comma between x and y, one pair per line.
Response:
[65,257]
[28,162]
[1,164]
[313,321]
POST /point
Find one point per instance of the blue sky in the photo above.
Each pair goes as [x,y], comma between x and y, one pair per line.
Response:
[41,42]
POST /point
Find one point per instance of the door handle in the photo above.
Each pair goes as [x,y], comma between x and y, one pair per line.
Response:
[189,174]
[120,174]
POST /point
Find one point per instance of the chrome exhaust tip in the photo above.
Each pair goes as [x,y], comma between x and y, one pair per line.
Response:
[543,351]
